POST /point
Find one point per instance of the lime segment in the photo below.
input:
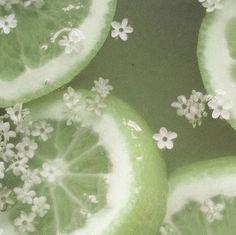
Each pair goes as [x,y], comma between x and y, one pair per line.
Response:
[202,199]
[108,173]
[39,55]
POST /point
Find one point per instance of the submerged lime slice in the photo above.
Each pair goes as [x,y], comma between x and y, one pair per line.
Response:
[217,52]
[202,199]
[50,45]
[110,177]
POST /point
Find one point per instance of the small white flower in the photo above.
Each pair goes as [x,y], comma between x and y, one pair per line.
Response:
[40,206]
[181,105]
[71,98]
[221,106]
[42,129]
[102,87]
[31,178]
[24,223]
[211,5]
[121,30]
[93,199]
[212,211]
[24,126]
[7,151]
[72,42]
[6,199]
[7,23]
[35,3]
[73,115]
[26,148]
[24,195]
[17,113]
[167,230]
[5,131]
[50,171]
[19,167]
[8,4]
[2,170]
[95,104]
[165,138]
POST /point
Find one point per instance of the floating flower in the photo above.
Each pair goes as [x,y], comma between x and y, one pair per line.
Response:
[17,113]
[19,167]
[7,153]
[95,104]
[26,148]
[220,105]
[102,87]
[71,98]
[72,42]
[121,30]
[5,131]
[24,195]
[24,223]
[40,206]
[42,129]
[165,138]
[7,23]
[193,108]
[6,199]
[50,171]
[212,211]
[31,177]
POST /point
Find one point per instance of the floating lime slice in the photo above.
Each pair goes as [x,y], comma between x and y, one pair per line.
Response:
[202,199]
[217,52]
[110,177]
[50,45]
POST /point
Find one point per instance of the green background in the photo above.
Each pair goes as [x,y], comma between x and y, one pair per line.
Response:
[153,67]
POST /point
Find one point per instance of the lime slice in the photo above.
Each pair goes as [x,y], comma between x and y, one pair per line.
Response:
[202,199]
[217,53]
[110,177]
[50,45]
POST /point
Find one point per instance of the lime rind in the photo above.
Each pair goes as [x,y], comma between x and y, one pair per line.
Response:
[37,82]
[215,54]
[137,184]
[199,182]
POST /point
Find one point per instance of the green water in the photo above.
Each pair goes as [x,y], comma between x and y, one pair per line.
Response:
[157,64]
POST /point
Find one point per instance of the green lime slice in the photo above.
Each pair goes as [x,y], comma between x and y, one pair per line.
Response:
[50,45]
[217,53]
[111,179]
[202,199]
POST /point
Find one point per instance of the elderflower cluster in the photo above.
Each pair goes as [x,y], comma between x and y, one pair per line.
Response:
[19,138]
[94,103]
[9,21]
[193,108]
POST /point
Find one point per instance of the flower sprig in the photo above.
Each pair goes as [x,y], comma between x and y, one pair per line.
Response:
[94,103]
[194,109]
[19,138]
